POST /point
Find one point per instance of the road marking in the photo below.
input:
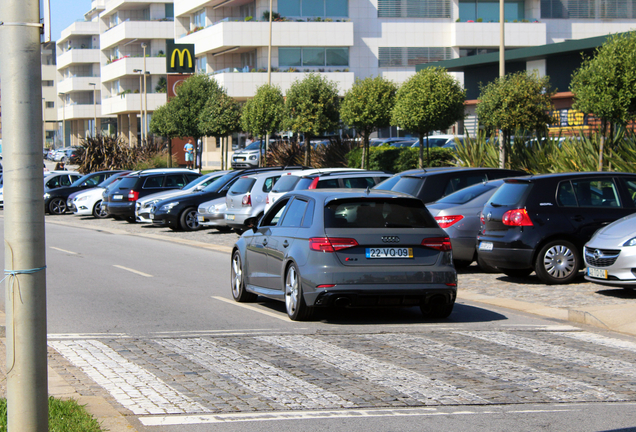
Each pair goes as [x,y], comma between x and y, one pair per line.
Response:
[419,387]
[554,386]
[535,346]
[53,336]
[601,340]
[132,271]
[131,385]
[254,308]
[261,378]
[325,414]
[63,250]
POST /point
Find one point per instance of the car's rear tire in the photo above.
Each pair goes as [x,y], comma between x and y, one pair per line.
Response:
[98,210]
[188,220]
[558,262]
[238,282]
[297,309]
[516,273]
[57,206]
[485,267]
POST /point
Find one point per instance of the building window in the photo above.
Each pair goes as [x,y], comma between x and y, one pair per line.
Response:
[198,19]
[409,57]
[169,10]
[313,8]
[47,83]
[313,57]
[601,9]
[201,64]
[489,10]
[468,52]
[414,8]
[50,104]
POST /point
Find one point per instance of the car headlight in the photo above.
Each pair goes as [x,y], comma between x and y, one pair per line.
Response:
[168,207]
[253,157]
[47,195]
[81,199]
[630,242]
[213,209]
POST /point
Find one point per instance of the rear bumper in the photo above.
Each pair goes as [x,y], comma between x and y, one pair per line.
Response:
[123,209]
[380,296]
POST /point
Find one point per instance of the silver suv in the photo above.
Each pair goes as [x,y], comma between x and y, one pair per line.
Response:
[249,157]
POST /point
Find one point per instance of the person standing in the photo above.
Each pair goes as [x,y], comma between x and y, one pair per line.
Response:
[188,148]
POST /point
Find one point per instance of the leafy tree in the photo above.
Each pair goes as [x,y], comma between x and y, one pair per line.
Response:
[429,100]
[367,106]
[221,117]
[605,85]
[192,96]
[520,101]
[162,85]
[162,124]
[263,114]
[312,108]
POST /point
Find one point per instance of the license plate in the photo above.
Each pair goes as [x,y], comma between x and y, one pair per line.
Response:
[485,246]
[389,252]
[118,197]
[151,215]
[229,216]
[201,218]
[597,273]
[239,159]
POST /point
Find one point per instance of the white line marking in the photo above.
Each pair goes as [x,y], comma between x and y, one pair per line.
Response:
[254,308]
[132,386]
[132,271]
[601,340]
[63,250]
[417,386]
[259,377]
[554,386]
[87,336]
[322,415]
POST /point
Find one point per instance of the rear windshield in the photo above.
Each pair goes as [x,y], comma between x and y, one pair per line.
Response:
[409,185]
[378,213]
[303,183]
[286,183]
[242,186]
[462,196]
[509,194]
[128,182]
[109,180]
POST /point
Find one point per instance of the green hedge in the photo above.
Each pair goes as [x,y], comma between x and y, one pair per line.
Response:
[387,158]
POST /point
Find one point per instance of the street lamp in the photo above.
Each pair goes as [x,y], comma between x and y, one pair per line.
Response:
[141,104]
[145,123]
[94,109]
[63,98]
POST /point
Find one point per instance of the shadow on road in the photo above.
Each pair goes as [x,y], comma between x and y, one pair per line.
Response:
[621,293]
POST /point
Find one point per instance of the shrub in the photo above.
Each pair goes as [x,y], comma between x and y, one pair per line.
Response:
[386,158]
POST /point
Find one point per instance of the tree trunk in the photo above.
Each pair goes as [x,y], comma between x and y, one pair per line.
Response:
[421,160]
[364,153]
[428,152]
[307,150]
[502,149]
[169,152]
[222,152]
[601,147]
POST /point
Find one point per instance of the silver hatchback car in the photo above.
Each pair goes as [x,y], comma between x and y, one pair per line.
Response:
[346,248]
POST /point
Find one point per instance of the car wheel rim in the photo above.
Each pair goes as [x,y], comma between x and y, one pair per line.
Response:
[559,262]
[58,207]
[99,210]
[191,220]
[291,291]
[237,276]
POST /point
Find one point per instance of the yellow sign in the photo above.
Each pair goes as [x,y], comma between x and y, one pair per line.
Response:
[176,58]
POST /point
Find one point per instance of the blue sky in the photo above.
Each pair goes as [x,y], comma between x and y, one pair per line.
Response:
[65,12]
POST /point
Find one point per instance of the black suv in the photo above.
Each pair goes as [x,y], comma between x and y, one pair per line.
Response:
[542,222]
[431,184]
[120,200]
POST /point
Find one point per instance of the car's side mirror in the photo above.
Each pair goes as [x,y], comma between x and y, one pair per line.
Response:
[252,222]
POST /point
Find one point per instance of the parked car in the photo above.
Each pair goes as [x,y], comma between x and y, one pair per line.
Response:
[143,205]
[55,199]
[375,142]
[67,155]
[347,248]
[248,157]
[120,200]
[57,179]
[441,141]
[610,255]
[431,184]
[459,215]
[212,214]
[541,223]
[89,201]
[180,213]
[406,143]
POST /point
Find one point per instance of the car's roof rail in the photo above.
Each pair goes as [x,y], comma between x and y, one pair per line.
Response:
[352,172]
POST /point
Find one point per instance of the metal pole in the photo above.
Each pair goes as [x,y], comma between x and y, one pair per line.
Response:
[141,102]
[269,74]
[502,73]
[25,258]
[94,109]
[63,121]
[144,123]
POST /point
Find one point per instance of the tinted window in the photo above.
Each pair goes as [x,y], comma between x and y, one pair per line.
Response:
[128,182]
[153,182]
[409,185]
[388,183]
[269,183]
[631,188]
[509,194]
[175,181]
[303,183]
[110,180]
[327,184]
[191,177]
[462,180]
[219,183]
[596,193]
[467,194]
[274,214]
[363,182]
[309,215]
[565,195]
[295,213]
[81,181]
[377,213]
[93,181]
[286,183]
[242,186]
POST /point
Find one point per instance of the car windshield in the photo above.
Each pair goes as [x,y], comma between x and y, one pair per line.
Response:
[409,185]
[242,186]
[220,182]
[377,213]
[253,146]
[286,183]
[509,194]
[203,180]
[81,180]
[462,196]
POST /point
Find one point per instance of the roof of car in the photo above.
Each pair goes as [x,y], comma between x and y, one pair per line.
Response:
[347,173]
[566,175]
[332,194]
[160,171]
[427,171]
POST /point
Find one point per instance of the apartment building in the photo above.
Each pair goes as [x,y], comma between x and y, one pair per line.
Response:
[133,36]
[49,94]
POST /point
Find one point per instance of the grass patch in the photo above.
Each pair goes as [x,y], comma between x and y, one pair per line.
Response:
[64,416]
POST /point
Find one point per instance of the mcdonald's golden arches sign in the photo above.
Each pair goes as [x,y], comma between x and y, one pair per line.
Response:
[180,58]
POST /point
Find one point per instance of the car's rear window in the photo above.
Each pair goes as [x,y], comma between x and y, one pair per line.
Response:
[303,183]
[462,196]
[409,185]
[377,213]
[128,182]
[286,183]
[509,194]
[242,186]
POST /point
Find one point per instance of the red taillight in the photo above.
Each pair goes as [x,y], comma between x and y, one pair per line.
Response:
[439,243]
[326,286]
[314,184]
[482,218]
[326,244]
[446,221]
[518,217]
[247,200]
[133,195]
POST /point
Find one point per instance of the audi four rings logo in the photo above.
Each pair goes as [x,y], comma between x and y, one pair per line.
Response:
[390,239]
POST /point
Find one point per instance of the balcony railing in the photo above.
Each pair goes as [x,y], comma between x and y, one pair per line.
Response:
[247,69]
[138,20]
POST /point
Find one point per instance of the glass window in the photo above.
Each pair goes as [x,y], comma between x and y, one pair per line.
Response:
[409,185]
[313,8]
[467,194]
[198,19]
[596,193]
[327,184]
[336,8]
[337,56]
[565,195]
[242,186]
[289,57]
[289,7]
[414,9]
[275,213]
[313,56]
[269,183]
[169,10]
[153,182]
[175,181]
[295,213]
[489,10]
[309,215]
[378,213]
[360,183]
[286,183]
[509,194]
[631,188]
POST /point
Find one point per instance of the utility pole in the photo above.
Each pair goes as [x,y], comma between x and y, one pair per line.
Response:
[502,73]
[24,246]
[144,123]
[269,77]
